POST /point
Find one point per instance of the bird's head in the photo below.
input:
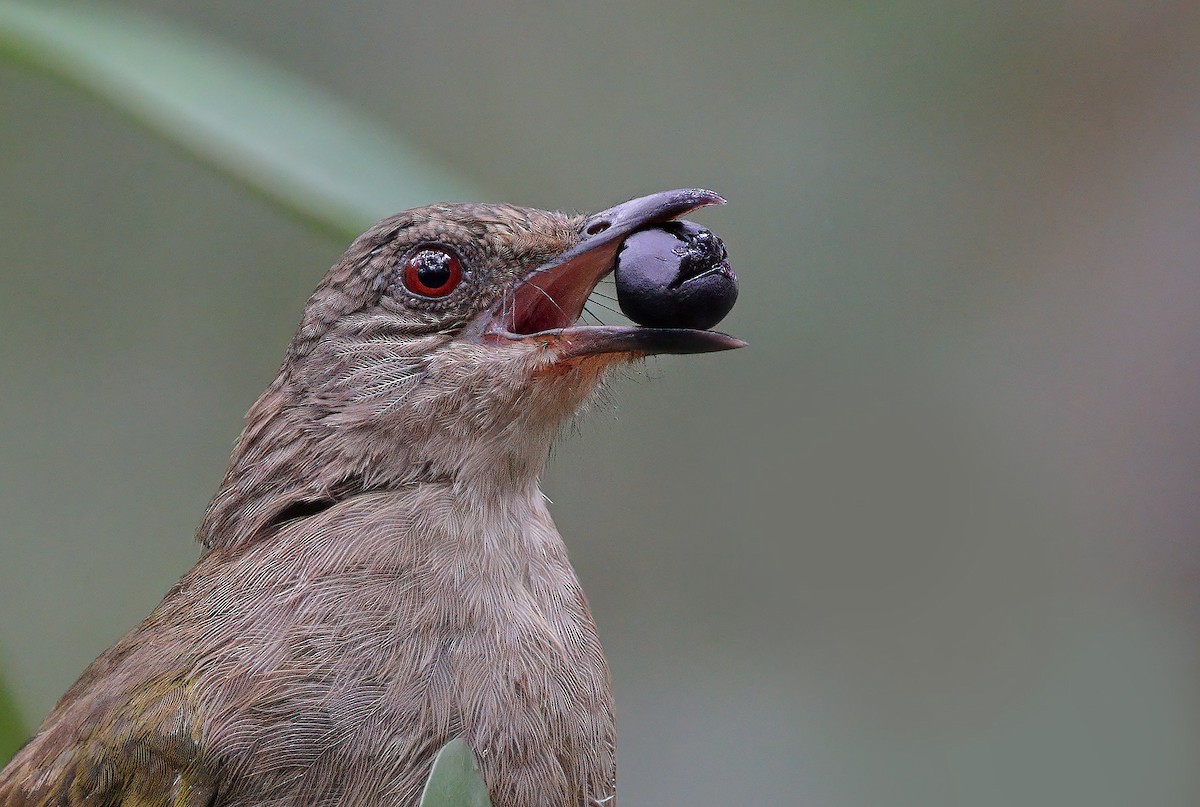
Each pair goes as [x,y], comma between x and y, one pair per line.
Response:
[444,346]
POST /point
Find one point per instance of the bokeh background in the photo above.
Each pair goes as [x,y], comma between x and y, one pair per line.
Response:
[934,539]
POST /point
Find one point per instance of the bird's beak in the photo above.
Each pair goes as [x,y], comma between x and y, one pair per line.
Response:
[545,305]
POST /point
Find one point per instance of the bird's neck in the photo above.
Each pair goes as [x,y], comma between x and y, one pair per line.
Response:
[288,465]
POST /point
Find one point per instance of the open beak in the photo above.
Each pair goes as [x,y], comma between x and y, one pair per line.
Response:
[546,304]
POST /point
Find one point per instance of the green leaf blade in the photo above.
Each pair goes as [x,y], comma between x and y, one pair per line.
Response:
[256,124]
[455,780]
[12,728]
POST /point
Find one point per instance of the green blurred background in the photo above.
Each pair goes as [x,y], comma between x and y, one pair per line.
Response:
[933,540]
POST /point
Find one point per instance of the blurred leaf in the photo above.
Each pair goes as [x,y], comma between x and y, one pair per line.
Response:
[455,780]
[12,728]
[254,123]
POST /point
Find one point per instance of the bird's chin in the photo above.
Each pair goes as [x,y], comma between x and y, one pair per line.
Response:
[543,308]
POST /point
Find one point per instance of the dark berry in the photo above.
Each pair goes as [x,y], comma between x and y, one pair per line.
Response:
[675,275]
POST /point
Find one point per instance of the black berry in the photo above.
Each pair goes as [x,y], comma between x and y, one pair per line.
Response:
[676,275]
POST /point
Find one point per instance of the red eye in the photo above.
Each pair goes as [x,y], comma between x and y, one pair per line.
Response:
[432,272]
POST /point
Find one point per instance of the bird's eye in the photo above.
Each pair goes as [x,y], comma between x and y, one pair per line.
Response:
[431,272]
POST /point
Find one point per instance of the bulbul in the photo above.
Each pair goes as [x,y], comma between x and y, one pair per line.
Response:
[379,572]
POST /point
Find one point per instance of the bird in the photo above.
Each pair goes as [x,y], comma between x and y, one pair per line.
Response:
[379,572]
